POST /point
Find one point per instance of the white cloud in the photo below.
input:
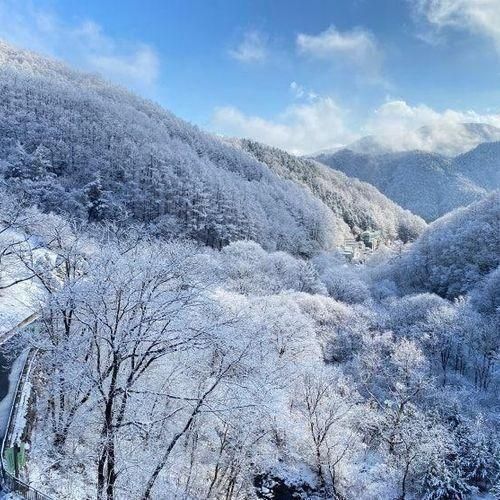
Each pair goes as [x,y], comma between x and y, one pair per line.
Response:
[320,124]
[481,17]
[400,126]
[300,129]
[252,49]
[299,92]
[358,46]
[85,44]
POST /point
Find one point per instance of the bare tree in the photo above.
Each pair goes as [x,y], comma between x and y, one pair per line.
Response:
[326,403]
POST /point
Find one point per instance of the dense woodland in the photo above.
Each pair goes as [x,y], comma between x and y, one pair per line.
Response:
[71,143]
[201,337]
[358,203]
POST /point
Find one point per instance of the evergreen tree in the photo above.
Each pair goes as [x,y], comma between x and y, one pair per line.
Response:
[95,198]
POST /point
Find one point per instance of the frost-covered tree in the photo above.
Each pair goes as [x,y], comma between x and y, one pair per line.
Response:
[456,252]
[325,405]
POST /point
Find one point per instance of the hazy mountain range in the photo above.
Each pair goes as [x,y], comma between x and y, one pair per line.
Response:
[428,184]
[448,140]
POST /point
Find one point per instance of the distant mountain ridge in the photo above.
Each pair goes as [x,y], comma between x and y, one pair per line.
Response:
[428,184]
[358,203]
[461,138]
[481,165]
[451,141]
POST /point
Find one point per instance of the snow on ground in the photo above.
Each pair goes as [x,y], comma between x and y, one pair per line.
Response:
[73,481]
[21,300]
[17,303]
[22,411]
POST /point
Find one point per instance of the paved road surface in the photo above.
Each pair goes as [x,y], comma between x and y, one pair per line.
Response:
[8,364]
[5,367]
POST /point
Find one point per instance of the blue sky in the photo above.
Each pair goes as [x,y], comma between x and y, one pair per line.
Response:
[300,74]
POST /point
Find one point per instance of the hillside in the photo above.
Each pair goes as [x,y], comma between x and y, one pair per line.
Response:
[481,165]
[223,314]
[428,184]
[231,360]
[456,252]
[202,373]
[72,143]
[358,203]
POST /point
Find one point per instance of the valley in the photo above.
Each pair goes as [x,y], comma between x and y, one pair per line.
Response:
[221,319]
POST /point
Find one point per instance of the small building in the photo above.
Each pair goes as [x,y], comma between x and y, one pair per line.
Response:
[371,239]
[351,250]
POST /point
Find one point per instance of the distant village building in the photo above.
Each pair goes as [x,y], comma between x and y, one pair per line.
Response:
[371,239]
[354,250]
[351,250]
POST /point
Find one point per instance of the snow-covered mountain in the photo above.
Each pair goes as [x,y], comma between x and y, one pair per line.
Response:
[165,368]
[73,143]
[451,140]
[428,184]
[359,204]
[481,165]
[456,252]
[369,145]
[448,139]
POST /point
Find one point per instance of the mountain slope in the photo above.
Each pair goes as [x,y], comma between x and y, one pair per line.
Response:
[481,165]
[425,183]
[359,204]
[73,143]
[455,252]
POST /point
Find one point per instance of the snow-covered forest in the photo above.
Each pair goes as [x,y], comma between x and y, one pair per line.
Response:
[429,184]
[201,336]
[74,144]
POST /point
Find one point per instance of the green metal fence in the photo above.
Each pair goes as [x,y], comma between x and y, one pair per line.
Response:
[13,457]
